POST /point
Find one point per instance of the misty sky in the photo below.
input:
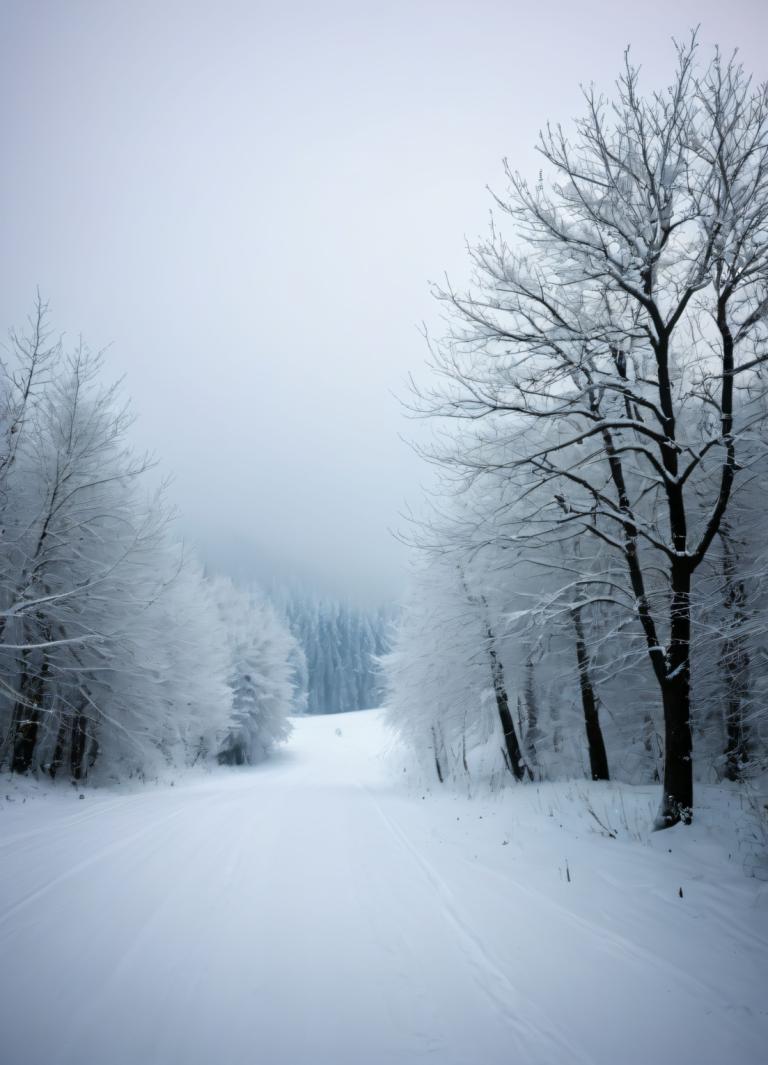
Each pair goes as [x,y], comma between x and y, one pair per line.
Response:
[247,201]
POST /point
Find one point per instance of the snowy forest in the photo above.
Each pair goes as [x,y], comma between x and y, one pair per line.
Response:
[406,699]
[340,650]
[590,596]
[118,656]
[588,593]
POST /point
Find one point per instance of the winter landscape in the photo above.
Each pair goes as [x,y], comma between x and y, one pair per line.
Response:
[373,691]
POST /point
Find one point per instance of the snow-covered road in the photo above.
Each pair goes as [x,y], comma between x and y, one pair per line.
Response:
[310,912]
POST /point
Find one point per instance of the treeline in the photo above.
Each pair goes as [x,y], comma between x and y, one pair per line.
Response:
[590,597]
[341,646]
[117,656]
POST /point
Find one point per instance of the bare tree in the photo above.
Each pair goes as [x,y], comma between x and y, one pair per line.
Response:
[609,359]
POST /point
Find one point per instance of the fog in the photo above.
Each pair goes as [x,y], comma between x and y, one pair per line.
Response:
[246,202]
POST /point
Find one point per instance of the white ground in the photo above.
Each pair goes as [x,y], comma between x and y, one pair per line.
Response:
[315,912]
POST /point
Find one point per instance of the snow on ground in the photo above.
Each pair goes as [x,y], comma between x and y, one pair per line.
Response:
[314,911]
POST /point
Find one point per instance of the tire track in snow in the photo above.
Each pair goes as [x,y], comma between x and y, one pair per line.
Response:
[614,942]
[67,822]
[113,848]
[489,976]
[152,923]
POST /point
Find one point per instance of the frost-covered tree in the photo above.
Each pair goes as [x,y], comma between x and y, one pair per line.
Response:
[607,364]
[446,694]
[261,657]
[114,655]
[495,653]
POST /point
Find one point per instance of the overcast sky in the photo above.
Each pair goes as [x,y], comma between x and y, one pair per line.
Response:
[247,201]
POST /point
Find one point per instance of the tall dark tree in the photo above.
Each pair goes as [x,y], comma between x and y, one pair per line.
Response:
[598,758]
[608,357]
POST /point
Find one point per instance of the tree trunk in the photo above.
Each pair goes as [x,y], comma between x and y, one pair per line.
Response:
[438,767]
[512,751]
[93,749]
[77,749]
[677,800]
[25,739]
[737,740]
[734,662]
[532,734]
[58,752]
[598,758]
[26,717]
[651,743]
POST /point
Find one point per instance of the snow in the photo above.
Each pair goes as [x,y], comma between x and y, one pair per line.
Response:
[317,911]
